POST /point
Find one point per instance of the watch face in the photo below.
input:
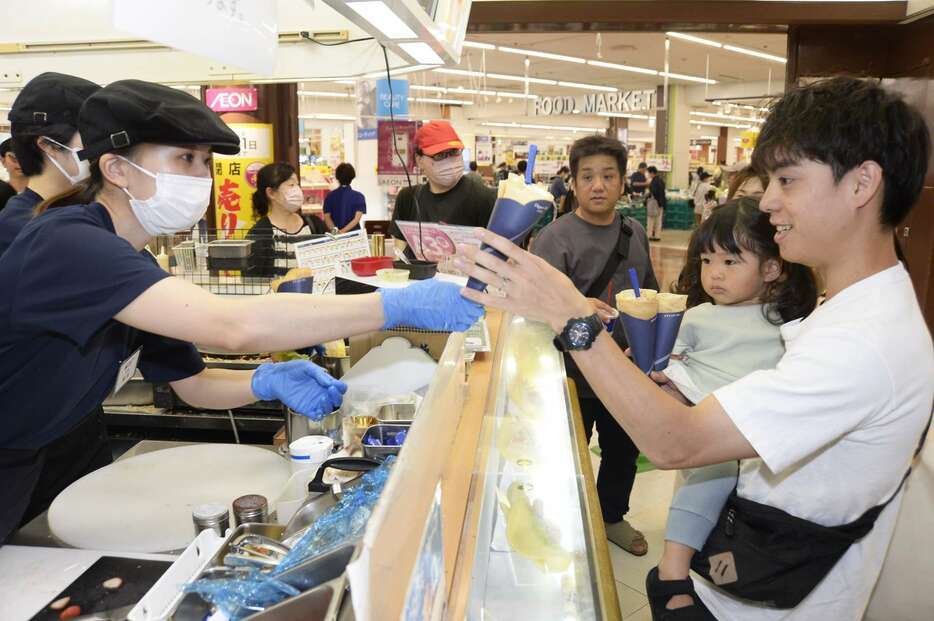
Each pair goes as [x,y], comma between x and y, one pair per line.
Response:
[579,335]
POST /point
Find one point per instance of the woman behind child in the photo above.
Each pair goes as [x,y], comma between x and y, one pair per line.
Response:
[739,293]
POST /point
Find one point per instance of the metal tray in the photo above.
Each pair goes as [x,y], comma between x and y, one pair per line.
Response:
[379,431]
[321,578]
[396,413]
[230,248]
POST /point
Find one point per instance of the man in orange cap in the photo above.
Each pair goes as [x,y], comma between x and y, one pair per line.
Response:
[449,196]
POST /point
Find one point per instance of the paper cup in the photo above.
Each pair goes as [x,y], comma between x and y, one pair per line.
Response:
[299,285]
[611,323]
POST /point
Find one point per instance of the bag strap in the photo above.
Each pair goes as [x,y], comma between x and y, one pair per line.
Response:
[871,514]
[612,264]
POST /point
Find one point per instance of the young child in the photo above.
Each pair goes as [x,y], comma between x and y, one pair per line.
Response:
[739,292]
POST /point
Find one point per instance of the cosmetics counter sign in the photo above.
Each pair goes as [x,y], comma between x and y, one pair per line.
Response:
[389,169]
[235,178]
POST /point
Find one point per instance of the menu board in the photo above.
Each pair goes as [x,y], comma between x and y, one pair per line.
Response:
[436,241]
[324,256]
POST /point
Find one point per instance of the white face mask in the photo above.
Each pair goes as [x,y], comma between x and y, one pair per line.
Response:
[82,166]
[179,202]
[294,198]
[447,172]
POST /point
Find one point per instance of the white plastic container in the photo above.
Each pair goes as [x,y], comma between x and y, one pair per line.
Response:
[309,452]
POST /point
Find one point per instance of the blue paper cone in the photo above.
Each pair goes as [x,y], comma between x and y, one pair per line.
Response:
[666,332]
[514,221]
[640,333]
[299,285]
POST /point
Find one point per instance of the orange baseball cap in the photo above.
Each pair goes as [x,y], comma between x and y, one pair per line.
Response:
[437,136]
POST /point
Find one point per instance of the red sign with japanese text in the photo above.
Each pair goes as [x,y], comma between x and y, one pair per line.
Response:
[235,178]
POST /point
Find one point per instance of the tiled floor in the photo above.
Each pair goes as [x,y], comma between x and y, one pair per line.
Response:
[651,494]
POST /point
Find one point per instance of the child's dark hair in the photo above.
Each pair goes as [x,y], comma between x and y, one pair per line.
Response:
[739,225]
[269,176]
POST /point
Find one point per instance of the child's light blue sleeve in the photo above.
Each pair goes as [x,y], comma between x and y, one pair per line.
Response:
[687,339]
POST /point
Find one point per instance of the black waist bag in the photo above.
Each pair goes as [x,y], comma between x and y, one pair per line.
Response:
[766,555]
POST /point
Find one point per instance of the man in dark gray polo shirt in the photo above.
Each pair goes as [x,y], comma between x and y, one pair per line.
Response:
[586,245]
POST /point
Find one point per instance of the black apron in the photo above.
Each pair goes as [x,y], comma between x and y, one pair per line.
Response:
[30,479]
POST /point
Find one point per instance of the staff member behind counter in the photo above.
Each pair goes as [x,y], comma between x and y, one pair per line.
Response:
[43,124]
[449,197]
[828,435]
[80,297]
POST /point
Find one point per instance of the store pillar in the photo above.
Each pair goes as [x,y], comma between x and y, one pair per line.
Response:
[619,129]
[679,136]
[723,144]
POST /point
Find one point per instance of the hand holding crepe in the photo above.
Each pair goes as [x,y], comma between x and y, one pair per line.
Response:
[638,317]
[518,207]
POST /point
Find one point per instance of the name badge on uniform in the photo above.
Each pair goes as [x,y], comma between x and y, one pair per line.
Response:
[127,369]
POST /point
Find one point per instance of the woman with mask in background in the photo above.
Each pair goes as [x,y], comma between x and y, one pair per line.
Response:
[45,141]
[448,196]
[83,300]
[278,199]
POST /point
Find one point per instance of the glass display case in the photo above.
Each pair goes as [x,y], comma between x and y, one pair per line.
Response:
[536,554]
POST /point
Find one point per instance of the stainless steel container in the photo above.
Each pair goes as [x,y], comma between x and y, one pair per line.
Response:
[230,248]
[396,412]
[299,426]
[250,508]
[211,516]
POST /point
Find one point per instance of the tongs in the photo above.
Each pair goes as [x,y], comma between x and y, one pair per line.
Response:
[255,551]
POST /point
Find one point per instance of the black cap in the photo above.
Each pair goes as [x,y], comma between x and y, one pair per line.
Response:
[131,112]
[49,103]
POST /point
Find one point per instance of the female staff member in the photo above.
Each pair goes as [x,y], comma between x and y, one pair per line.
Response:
[278,198]
[44,122]
[80,299]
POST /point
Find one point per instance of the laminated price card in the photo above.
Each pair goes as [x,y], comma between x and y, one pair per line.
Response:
[325,256]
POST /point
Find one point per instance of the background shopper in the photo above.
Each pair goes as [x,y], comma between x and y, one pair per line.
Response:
[45,140]
[595,247]
[278,199]
[344,207]
[655,204]
[448,196]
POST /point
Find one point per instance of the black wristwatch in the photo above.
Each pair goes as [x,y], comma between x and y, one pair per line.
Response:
[579,333]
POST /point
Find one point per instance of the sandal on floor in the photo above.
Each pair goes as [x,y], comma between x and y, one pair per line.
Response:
[660,591]
[628,538]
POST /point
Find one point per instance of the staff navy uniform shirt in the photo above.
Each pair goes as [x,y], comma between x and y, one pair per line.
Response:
[16,214]
[64,278]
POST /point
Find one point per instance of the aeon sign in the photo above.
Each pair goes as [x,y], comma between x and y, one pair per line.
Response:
[232,99]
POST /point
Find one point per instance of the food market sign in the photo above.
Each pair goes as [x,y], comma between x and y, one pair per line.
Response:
[594,103]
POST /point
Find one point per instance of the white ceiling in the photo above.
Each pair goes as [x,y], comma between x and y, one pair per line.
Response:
[639,49]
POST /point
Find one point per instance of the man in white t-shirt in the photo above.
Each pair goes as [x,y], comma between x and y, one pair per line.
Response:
[830,431]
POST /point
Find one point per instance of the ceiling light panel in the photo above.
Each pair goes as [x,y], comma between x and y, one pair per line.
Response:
[756,53]
[588,87]
[537,54]
[693,39]
[381,17]
[630,68]
[520,78]
[422,53]
[713,124]
[479,46]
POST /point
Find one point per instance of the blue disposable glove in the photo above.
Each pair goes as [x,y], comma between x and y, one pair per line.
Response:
[301,385]
[429,305]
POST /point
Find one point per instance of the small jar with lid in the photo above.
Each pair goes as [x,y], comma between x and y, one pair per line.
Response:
[211,516]
[250,508]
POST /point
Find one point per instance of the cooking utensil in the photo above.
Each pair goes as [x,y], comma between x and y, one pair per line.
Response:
[322,497]
[379,440]
[418,270]
[230,248]
[396,412]
[367,266]
[392,275]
